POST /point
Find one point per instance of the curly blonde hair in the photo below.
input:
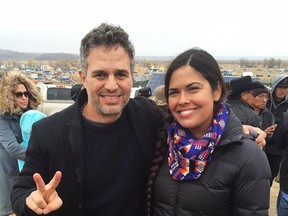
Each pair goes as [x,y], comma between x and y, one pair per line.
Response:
[10,82]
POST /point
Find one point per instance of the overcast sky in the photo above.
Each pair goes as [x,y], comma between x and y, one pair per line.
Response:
[156,27]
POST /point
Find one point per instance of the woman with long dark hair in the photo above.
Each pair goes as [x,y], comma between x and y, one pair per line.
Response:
[203,165]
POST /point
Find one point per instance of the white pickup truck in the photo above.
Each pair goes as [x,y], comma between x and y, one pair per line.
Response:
[55,97]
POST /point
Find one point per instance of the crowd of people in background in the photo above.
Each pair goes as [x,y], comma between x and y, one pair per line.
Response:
[193,148]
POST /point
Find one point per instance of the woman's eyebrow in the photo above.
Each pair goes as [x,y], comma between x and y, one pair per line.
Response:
[187,86]
[194,83]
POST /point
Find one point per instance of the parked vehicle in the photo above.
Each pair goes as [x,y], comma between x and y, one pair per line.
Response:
[134,92]
[140,91]
[247,73]
[55,97]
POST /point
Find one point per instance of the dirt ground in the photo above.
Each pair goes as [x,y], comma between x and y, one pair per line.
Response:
[273,199]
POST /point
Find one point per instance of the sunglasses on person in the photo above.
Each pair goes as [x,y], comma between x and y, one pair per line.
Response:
[20,94]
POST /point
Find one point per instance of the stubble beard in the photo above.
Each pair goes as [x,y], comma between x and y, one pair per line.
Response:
[107,111]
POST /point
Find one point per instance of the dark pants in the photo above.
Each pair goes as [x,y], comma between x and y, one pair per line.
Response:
[274,162]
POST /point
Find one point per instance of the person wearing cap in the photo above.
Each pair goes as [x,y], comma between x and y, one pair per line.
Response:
[241,98]
[266,117]
[277,104]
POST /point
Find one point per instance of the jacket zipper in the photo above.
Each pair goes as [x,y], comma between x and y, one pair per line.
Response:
[177,199]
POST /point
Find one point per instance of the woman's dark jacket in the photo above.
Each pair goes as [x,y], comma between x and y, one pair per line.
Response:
[57,143]
[235,182]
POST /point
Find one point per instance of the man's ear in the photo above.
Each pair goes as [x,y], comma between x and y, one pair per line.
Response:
[82,78]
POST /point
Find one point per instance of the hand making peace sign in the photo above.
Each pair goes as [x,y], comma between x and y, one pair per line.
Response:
[45,199]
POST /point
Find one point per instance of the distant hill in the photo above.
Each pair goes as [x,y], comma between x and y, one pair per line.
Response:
[56,56]
[9,55]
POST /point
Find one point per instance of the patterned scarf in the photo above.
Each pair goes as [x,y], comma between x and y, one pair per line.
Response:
[188,155]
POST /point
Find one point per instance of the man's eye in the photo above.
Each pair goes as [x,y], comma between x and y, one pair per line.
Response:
[99,75]
[122,75]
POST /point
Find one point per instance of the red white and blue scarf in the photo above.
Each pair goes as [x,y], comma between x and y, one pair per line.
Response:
[188,155]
